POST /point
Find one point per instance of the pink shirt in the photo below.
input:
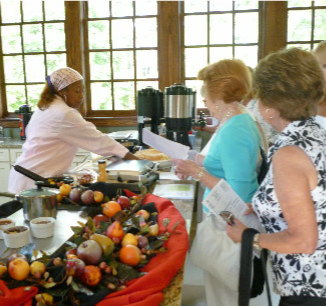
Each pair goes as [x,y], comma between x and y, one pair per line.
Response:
[53,138]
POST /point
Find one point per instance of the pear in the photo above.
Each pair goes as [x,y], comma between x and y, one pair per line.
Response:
[105,242]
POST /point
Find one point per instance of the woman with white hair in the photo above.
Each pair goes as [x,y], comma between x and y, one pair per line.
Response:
[56,131]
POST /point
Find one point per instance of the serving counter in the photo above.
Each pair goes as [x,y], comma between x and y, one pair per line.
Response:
[65,219]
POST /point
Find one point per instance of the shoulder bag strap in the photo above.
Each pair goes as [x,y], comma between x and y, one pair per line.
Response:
[246,291]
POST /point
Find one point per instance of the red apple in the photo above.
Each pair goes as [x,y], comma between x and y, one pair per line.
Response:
[90,252]
[87,197]
[124,202]
[100,218]
[75,267]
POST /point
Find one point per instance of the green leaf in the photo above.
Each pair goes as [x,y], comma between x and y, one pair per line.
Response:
[81,288]
[126,272]
[77,229]
[49,285]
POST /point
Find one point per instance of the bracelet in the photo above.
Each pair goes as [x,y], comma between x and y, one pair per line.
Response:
[255,243]
[199,175]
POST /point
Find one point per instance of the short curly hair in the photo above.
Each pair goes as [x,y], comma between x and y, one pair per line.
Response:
[229,80]
[290,81]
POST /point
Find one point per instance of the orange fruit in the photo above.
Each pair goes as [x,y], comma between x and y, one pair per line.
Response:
[130,255]
[111,208]
[18,269]
[91,275]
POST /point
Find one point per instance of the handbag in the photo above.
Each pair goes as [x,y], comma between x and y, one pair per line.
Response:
[214,252]
[248,288]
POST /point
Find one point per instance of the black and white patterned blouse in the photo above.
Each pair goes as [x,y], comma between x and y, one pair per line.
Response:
[297,274]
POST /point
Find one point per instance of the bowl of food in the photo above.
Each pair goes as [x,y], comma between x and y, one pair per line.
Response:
[16,236]
[4,224]
[42,227]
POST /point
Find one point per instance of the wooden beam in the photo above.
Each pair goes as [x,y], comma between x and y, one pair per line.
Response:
[273,26]
[169,43]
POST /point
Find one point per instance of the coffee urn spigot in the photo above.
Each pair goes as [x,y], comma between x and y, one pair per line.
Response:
[179,106]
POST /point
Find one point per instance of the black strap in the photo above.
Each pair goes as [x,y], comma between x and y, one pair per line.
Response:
[263,167]
[246,291]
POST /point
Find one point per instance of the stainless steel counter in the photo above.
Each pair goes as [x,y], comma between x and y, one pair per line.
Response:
[62,231]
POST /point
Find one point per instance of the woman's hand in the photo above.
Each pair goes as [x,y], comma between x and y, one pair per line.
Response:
[235,230]
[186,168]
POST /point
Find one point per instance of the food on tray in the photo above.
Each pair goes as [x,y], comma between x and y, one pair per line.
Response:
[151,154]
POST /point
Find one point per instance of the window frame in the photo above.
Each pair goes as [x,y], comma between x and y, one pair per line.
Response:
[170,21]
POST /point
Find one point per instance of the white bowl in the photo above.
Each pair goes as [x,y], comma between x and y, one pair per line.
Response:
[5,226]
[16,240]
[40,229]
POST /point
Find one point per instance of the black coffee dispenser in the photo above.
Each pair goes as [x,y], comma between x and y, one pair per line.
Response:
[24,114]
[180,107]
[149,110]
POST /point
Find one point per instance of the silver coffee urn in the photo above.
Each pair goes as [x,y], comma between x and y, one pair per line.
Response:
[179,111]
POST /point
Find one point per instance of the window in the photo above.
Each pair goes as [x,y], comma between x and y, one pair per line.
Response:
[33,45]
[306,23]
[217,30]
[122,52]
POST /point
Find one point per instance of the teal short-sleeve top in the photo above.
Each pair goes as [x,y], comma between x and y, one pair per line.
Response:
[233,155]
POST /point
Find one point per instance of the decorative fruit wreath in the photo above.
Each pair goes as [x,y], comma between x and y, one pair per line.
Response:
[125,256]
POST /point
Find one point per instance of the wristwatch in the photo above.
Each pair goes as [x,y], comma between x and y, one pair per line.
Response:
[255,242]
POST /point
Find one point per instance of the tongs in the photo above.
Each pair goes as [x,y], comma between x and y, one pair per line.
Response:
[46,181]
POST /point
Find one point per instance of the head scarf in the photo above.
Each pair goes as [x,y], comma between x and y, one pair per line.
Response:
[62,78]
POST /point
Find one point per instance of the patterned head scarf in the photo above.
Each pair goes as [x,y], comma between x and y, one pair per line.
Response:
[62,78]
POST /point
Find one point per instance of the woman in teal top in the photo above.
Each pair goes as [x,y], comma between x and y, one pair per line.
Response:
[233,155]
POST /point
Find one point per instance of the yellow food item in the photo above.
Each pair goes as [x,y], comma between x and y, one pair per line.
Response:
[151,154]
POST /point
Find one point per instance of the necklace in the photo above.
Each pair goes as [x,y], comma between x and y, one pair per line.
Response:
[230,113]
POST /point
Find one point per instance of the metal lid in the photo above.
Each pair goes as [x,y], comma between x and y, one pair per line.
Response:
[38,192]
[178,89]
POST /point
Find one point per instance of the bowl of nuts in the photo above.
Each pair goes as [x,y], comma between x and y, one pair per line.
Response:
[42,227]
[16,236]
[4,224]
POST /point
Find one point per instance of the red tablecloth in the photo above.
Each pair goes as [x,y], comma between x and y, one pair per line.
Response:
[146,290]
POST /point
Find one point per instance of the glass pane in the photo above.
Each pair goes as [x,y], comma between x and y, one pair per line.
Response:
[246,28]
[11,42]
[33,38]
[10,13]
[194,6]
[33,94]
[101,96]
[320,3]
[299,25]
[122,33]
[306,47]
[146,32]
[55,61]
[32,10]
[195,30]
[298,3]
[248,54]
[124,97]
[146,7]
[220,6]
[146,64]
[55,37]
[196,86]
[121,8]
[35,70]
[320,25]
[123,65]
[99,34]
[219,53]
[15,96]
[54,10]
[220,29]
[98,9]
[13,69]
[246,4]
[195,59]
[100,66]
[143,84]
